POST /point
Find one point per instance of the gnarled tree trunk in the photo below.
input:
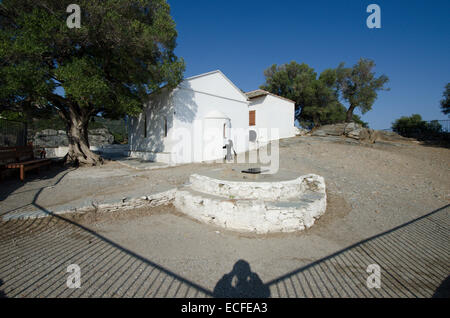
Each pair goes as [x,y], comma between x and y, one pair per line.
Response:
[77,132]
[349,115]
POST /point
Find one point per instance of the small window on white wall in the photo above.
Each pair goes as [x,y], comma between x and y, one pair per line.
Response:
[165,126]
[145,125]
[225,130]
[252,118]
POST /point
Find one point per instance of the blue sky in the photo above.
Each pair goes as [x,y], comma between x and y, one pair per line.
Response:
[242,38]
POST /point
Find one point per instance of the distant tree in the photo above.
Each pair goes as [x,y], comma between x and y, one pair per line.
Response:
[359,86]
[414,126]
[316,99]
[123,51]
[445,103]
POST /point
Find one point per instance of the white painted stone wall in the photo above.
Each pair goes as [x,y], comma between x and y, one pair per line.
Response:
[256,215]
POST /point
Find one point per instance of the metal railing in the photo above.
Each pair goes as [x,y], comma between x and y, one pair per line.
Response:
[445,124]
[12,133]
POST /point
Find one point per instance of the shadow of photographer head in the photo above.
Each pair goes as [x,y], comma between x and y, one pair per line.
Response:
[2,294]
[241,282]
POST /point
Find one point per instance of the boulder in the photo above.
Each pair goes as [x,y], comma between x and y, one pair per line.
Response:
[47,132]
[100,137]
[58,138]
[319,133]
[300,131]
[366,135]
[363,134]
[349,127]
[50,138]
[355,133]
[373,136]
[332,130]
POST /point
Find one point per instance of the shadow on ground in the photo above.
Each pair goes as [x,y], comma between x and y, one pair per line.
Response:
[2,294]
[443,290]
[12,185]
[413,257]
[241,282]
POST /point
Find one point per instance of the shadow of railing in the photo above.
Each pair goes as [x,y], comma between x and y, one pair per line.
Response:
[108,269]
[112,270]
[414,259]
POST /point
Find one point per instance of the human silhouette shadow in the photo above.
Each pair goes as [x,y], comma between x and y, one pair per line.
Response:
[241,282]
[443,291]
[2,294]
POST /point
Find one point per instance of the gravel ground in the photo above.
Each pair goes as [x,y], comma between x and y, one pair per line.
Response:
[387,205]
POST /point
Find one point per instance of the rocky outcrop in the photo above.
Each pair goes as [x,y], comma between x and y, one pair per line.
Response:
[58,138]
[357,132]
[391,136]
[50,138]
[330,130]
[100,137]
[350,127]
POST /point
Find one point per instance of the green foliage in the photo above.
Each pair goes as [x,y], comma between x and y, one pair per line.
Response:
[315,98]
[445,103]
[359,86]
[13,116]
[122,52]
[414,126]
[53,122]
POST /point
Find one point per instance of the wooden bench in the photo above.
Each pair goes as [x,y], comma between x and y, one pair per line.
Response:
[21,158]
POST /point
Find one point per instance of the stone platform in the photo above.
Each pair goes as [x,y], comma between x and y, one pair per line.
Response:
[259,203]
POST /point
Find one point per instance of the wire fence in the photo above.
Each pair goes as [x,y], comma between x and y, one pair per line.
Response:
[12,133]
[445,124]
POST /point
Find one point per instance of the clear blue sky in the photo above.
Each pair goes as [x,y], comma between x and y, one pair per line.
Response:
[244,37]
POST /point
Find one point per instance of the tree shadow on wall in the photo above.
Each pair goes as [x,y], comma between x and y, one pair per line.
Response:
[241,282]
[150,131]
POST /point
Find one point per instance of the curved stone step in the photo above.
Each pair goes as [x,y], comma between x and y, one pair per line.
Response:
[250,215]
[274,188]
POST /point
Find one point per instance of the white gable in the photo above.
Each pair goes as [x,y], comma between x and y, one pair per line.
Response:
[214,83]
